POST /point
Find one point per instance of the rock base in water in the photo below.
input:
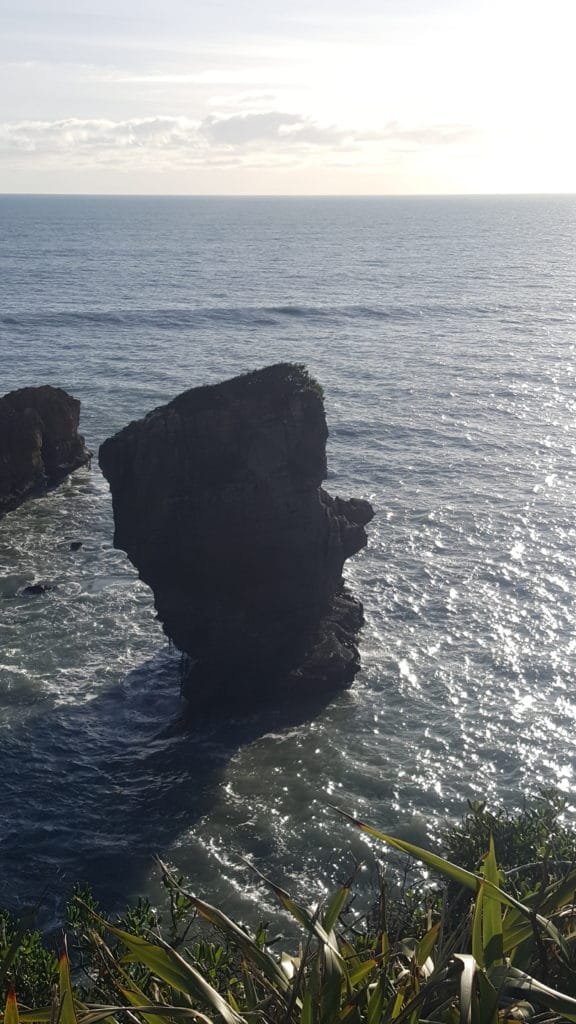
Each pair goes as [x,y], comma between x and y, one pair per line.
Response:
[218,504]
[39,442]
[330,663]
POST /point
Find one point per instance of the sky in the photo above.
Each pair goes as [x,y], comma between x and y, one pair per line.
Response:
[257,97]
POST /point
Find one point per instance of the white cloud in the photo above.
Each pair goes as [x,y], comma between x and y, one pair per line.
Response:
[269,127]
[270,134]
[73,135]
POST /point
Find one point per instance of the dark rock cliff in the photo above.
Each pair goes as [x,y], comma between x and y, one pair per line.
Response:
[39,442]
[218,504]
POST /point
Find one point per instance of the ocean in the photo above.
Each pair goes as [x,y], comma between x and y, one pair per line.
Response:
[443,332]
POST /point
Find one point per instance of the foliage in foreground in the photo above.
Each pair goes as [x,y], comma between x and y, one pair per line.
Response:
[534,837]
[508,955]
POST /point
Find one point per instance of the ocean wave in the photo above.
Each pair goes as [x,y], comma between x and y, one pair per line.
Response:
[168,318]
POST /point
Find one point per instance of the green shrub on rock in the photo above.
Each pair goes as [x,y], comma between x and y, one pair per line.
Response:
[26,958]
[536,835]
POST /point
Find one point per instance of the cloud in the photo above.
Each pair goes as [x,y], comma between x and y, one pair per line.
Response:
[76,135]
[272,126]
[239,131]
[270,136]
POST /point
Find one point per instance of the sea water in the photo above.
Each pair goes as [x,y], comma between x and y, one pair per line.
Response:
[443,332]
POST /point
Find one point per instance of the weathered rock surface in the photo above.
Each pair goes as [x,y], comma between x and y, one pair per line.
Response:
[218,504]
[39,442]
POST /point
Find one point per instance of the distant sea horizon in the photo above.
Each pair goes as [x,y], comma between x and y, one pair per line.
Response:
[293,195]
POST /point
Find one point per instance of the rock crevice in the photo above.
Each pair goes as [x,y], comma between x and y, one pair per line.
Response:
[218,503]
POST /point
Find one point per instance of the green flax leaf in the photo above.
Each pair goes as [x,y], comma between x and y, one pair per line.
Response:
[11,1015]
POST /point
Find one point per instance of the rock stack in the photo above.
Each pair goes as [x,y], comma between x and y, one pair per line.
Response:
[218,504]
[39,442]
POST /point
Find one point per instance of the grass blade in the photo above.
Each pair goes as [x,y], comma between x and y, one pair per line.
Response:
[67,1011]
[357,974]
[306,918]
[137,998]
[307,1014]
[426,945]
[376,1004]
[335,907]
[476,937]
[467,975]
[171,968]
[432,860]
[250,949]
[457,874]
[155,1013]
[557,1001]
[11,1015]
[492,938]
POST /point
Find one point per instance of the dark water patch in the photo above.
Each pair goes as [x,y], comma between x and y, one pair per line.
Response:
[97,789]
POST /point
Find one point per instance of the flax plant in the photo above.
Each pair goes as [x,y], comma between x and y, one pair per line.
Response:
[492,967]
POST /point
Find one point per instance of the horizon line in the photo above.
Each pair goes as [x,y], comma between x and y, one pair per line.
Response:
[284,195]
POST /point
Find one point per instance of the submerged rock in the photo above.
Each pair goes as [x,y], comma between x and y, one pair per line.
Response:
[34,589]
[39,442]
[218,504]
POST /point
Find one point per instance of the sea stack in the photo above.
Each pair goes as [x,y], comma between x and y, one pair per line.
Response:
[39,442]
[217,502]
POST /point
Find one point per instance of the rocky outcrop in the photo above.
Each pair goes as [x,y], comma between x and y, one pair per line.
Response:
[39,442]
[218,504]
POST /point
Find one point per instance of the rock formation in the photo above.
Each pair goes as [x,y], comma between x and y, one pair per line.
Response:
[39,442]
[218,504]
